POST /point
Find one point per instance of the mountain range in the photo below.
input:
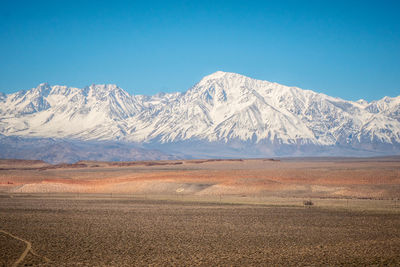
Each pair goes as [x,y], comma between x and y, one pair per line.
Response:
[223,115]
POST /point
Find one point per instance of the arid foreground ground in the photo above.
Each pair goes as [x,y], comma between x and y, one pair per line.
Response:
[208,213]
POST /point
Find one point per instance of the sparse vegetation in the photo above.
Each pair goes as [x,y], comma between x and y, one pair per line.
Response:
[126,232]
[308,203]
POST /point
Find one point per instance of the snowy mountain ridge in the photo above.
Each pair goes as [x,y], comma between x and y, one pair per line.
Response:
[224,108]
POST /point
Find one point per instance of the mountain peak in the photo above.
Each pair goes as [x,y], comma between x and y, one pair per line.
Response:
[230,78]
[45,84]
[42,89]
[222,74]
[221,77]
[217,74]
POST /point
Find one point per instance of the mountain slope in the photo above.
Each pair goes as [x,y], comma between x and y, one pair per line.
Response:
[236,114]
[70,151]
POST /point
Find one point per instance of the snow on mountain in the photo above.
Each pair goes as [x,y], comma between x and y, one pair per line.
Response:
[60,111]
[223,107]
[389,106]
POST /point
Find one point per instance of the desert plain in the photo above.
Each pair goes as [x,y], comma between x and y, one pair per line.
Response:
[201,212]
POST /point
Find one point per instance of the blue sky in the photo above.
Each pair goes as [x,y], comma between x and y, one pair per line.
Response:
[347,49]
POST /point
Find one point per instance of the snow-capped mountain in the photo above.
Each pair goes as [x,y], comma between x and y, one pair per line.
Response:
[224,113]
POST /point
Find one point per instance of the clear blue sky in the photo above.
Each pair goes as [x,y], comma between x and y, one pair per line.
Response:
[348,49]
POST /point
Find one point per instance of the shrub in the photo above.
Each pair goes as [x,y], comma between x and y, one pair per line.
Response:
[308,203]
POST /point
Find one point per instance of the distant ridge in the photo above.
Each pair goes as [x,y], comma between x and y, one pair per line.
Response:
[223,115]
[70,151]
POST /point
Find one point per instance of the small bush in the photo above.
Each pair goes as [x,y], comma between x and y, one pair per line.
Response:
[308,203]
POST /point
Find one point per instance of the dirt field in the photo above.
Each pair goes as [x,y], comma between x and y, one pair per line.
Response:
[94,231]
[201,213]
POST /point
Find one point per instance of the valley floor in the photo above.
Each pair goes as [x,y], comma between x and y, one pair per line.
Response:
[201,213]
[95,230]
